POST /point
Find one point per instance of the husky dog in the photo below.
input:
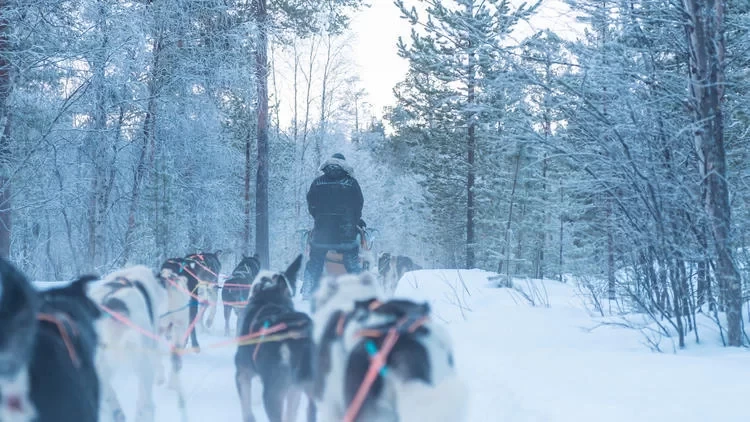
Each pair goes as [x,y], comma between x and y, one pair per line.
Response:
[339,295]
[236,289]
[203,270]
[352,325]
[19,305]
[391,268]
[187,291]
[176,322]
[136,294]
[48,347]
[282,363]
[334,300]
[64,380]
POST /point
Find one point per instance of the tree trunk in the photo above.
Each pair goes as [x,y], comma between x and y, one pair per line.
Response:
[542,236]
[298,184]
[703,272]
[702,276]
[246,199]
[521,237]
[323,104]
[677,293]
[705,32]
[471,146]
[562,224]
[260,14]
[306,122]
[276,96]
[506,247]
[5,151]
[148,134]
[97,152]
[547,126]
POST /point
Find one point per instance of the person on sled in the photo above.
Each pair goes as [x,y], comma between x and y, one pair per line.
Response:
[335,203]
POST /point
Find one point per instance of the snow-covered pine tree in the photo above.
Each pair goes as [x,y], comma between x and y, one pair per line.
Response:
[452,48]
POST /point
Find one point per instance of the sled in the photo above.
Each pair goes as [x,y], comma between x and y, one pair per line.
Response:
[334,260]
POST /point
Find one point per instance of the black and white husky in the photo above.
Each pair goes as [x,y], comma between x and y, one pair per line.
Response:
[270,350]
[178,322]
[19,305]
[391,268]
[236,289]
[48,347]
[204,268]
[186,300]
[352,324]
[136,294]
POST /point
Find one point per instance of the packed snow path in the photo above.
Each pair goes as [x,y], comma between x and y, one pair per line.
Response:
[522,363]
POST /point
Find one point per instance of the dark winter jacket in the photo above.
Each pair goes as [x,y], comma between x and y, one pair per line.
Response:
[335,202]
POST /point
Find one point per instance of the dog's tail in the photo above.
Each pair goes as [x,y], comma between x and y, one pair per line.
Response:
[418,401]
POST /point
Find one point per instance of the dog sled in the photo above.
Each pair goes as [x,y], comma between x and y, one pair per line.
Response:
[334,260]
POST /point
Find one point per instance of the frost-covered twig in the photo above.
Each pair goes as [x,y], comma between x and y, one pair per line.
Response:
[463,283]
[534,296]
[589,295]
[455,299]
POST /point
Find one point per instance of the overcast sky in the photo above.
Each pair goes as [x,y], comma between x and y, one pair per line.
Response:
[377,29]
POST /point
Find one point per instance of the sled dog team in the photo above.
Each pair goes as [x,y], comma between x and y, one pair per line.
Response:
[357,356]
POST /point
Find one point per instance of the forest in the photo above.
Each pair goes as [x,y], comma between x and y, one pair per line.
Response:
[132,131]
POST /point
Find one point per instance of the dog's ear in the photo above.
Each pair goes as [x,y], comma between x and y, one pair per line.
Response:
[291,271]
[78,287]
[292,283]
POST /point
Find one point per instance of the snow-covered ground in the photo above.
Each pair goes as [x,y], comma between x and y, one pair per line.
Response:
[522,363]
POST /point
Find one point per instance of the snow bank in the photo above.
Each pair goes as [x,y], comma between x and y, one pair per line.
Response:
[527,363]
[452,294]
